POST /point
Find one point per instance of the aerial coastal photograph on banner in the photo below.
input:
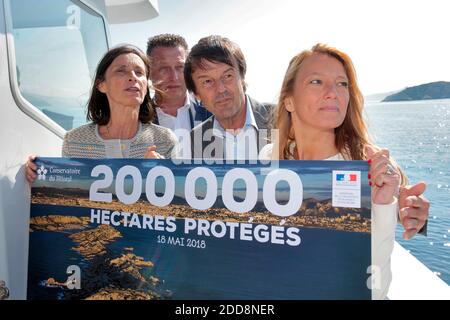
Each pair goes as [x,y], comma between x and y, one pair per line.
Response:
[150,229]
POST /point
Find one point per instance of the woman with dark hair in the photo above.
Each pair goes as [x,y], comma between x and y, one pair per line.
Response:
[121,113]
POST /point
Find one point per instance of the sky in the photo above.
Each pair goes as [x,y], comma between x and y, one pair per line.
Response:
[393,43]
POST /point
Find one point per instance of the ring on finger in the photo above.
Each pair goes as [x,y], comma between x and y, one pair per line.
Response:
[390,169]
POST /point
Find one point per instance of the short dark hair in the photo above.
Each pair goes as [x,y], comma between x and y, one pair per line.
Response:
[214,49]
[166,40]
[98,106]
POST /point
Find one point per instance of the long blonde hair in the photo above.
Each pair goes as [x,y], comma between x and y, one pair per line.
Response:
[351,136]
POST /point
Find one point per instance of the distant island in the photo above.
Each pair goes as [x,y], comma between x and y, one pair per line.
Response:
[433,90]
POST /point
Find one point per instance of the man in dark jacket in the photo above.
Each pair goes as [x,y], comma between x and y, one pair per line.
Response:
[239,128]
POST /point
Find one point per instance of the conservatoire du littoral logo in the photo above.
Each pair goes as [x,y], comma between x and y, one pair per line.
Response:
[41,172]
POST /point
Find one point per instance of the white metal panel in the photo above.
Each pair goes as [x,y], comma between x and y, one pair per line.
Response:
[412,280]
[124,11]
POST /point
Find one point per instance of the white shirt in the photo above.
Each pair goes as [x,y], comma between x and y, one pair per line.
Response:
[244,145]
[384,221]
[180,121]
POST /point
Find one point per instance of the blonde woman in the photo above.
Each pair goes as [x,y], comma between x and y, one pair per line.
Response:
[319,117]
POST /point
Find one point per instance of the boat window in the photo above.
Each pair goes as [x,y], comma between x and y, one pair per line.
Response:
[57,47]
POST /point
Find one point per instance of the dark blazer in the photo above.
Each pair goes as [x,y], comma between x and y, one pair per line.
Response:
[263,116]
